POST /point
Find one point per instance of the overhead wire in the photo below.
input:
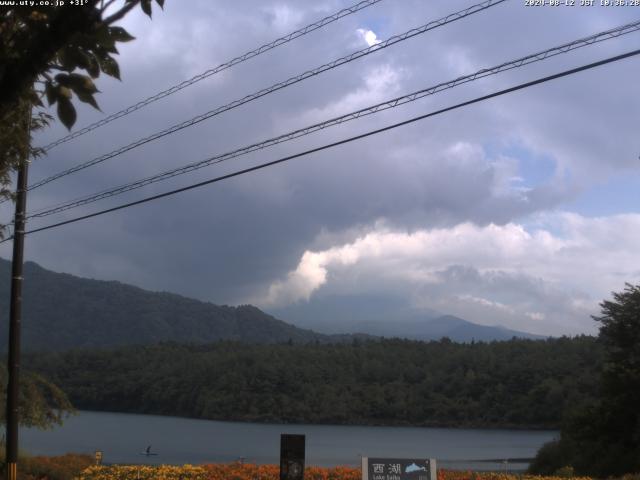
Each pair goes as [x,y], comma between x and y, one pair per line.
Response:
[343,141]
[388,104]
[212,71]
[452,17]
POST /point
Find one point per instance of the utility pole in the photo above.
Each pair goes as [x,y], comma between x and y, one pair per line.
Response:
[15,313]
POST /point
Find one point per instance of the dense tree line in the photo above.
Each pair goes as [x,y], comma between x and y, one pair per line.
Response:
[519,383]
[602,437]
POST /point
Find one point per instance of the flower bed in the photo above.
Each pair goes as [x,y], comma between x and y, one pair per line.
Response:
[144,472]
[237,471]
[457,475]
[220,471]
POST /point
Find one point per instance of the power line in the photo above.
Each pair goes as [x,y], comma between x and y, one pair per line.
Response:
[344,141]
[395,102]
[278,86]
[223,66]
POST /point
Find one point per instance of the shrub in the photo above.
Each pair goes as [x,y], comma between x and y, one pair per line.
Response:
[64,467]
[551,458]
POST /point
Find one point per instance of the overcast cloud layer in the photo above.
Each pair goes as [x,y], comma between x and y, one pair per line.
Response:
[522,211]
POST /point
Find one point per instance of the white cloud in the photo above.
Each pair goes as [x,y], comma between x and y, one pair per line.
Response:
[531,279]
[310,274]
[368,36]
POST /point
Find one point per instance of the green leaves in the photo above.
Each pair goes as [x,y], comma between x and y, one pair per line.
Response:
[64,92]
[119,34]
[92,53]
[61,92]
[66,112]
[63,86]
[68,74]
[78,83]
[88,99]
[146,7]
[66,59]
[109,66]
[93,66]
[50,92]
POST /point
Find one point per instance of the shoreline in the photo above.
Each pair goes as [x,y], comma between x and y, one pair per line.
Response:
[434,426]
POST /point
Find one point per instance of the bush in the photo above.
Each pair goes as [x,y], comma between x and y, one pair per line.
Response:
[551,458]
[564,472]
[64,467]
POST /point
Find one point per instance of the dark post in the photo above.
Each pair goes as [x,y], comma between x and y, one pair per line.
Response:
[292,457]
[15,314]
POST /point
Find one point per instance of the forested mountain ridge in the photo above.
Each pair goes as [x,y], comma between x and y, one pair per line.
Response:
[518,383]
[62,311]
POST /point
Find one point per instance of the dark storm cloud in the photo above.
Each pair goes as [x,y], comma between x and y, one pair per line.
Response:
[227,242]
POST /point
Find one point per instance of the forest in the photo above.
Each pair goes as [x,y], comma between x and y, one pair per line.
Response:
[518,383]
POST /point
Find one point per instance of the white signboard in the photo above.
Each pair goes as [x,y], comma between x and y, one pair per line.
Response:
[398,468]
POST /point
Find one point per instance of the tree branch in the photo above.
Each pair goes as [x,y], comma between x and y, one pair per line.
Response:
[23,71]
[120,13]
[103,7]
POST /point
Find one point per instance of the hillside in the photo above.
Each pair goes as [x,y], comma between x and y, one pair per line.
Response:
[519,383]
[62,311]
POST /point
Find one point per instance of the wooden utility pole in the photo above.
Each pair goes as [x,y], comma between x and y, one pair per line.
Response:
[15,314]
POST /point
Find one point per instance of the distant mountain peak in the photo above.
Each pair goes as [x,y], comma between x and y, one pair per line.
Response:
[389,316]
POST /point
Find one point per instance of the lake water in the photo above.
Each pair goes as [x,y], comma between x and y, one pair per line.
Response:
[123,437]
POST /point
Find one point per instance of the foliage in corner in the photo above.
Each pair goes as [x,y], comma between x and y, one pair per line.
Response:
[603,439]
[42,404]
[53,54]
[14,144]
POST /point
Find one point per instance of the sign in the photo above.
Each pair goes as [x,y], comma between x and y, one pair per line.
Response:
[399,469]
[292,457]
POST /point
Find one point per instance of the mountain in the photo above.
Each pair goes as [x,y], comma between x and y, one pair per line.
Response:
[388,316]
[461,330]
[62,311]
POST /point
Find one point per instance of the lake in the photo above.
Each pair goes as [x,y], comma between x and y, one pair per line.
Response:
[123,437]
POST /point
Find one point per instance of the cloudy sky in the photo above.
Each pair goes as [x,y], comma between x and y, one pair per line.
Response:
[523,210]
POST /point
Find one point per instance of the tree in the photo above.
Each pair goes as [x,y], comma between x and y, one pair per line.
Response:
[42,404]
[53,53]
[618,413]
[603,439]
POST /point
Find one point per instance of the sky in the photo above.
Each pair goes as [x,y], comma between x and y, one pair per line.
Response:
[522,211]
